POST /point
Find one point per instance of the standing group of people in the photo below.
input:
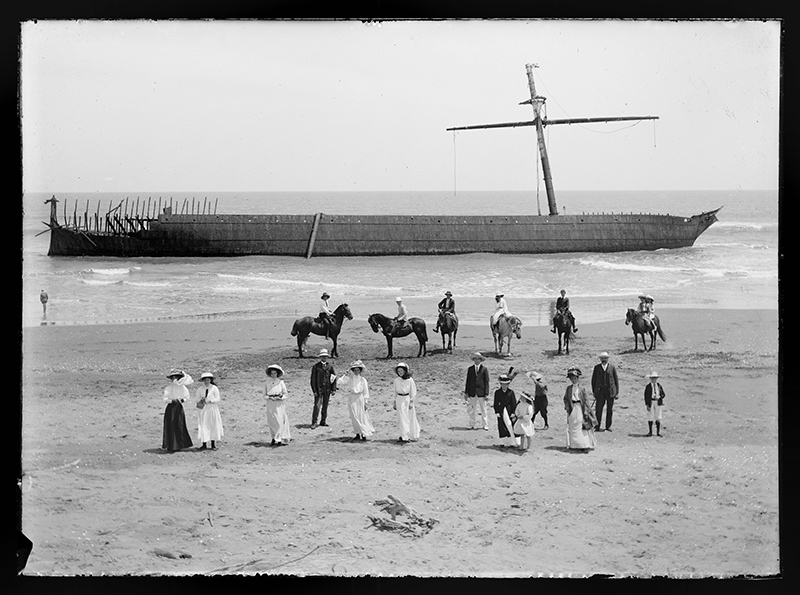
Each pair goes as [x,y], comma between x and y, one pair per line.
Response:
[209,420]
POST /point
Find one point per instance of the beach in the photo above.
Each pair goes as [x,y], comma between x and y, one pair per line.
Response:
[101,497]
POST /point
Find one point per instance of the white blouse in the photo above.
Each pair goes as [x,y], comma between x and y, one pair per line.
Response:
[405,386]
[354,384]
[177,391]
[275,388]
[213,393]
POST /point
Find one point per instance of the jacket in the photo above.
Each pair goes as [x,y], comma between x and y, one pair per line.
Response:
[648,394]
[477,384]
[607,378]
[321,378]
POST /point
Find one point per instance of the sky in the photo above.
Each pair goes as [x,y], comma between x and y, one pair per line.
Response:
[234,106]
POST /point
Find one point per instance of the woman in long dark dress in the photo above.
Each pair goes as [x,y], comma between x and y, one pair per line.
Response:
[176,436]
[505,405]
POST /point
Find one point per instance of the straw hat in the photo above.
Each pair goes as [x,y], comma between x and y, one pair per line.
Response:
[206,375]
[536,375]
[497,295]
[401,365]
[574,372]
[323,353]
[175,372]
[527,396]
[653,375]
[357,364]
[603,354]
[649,298]
[504,379]
[477,355]
[275,367]
[398,299]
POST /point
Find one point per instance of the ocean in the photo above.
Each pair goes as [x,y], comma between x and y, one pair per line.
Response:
[734,264]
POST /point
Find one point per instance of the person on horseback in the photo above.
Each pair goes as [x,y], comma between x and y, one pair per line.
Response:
[446,306]
[646,309]
[401,318]
[562,307]
[500,309]
[325,314]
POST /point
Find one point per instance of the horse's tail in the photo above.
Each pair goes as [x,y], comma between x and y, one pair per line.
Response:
[294,329]
[661,334]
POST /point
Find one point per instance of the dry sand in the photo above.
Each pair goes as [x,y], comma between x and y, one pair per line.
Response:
[100,497]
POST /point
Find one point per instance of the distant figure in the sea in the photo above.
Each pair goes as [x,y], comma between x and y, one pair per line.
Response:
[176,436]
[523,426]
[580,418]
[323,384]
[653,400]
[540,400]
[476,392]
[276,393]
[405,390]
[43,298]
[325,314]
[356,387]
[562,307]
[401,318]
[209,427]
[447,307]
[500,308]
[505,406]
[605,386]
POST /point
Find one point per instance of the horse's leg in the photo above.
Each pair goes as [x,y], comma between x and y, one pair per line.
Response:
[443,335]
[389,346]
[566,340]
[300,341]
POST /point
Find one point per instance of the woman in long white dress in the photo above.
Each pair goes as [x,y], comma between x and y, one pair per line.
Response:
[356,387]
[209,427]
[405,395]
[580,415]
[276,393]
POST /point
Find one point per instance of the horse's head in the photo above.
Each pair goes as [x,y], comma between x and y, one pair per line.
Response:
[629,315]
[344,309]
[373,323]
[516,326]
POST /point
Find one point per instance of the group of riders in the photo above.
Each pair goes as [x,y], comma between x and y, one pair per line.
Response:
[447,309]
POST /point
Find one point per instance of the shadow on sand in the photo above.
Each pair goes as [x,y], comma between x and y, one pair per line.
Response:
[574,451]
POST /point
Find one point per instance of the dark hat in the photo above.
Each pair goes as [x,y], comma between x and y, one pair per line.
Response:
[325,295]
[448,293]
[175,372]
[504,378]
[574,372]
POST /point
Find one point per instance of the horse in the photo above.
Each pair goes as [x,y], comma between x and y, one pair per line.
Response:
[563,326]
[642,326]
[413,325]
[448,326]
[307,325]
[507,326]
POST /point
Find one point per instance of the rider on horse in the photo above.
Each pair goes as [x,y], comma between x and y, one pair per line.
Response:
[562,307]
[401,318]
[647,309]
[446,307]
[325,314]
[500,309]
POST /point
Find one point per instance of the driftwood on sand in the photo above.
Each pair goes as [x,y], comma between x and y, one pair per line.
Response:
[416,525]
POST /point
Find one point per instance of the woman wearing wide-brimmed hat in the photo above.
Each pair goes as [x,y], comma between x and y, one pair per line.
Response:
[209,427]
[405,396]
[176,436]
[523,427]
[276,393]
[580,416]
[356,387]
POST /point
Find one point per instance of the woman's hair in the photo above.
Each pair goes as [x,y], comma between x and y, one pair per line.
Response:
[406,373]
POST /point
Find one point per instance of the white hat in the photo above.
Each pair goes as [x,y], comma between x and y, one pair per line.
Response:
[477,355]
[175,372]
[402,365]
[603,354]
[275,367]
[323,353]
[497,295]
[653,374]
[357,364]
[536,375]
[206,375]
[398,299]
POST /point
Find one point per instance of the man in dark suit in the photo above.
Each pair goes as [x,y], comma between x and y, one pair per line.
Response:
[605,386]
[476,392]
[562,305]
[322,386]
[654,399]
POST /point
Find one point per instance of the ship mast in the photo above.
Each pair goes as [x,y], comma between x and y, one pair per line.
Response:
[537,101]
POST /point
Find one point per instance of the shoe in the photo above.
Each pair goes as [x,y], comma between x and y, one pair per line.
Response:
[597,428]
[552,330]
[313,426]
[486,427]
[575,330]
[363,438]
[323,424]
[213,448]
[202,447]
[273,442]
[546,427]
[608,429]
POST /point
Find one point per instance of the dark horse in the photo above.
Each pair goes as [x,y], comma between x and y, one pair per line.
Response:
[642,326]
[303,327]
[563,325]
[448,326]
[414,325]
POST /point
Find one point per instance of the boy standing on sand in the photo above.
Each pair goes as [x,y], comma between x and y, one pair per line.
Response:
[654,400]
[476,392]
[540,401]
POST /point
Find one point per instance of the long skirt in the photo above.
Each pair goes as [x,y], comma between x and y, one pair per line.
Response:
[577,437]
[176,436]
[506,429]
[210,426]
[359,416]
[407,424]
[278,421]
